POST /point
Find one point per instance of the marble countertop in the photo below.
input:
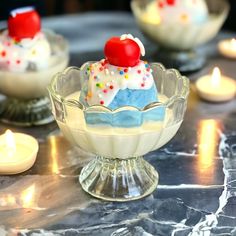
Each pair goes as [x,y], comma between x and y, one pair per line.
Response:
[196,194]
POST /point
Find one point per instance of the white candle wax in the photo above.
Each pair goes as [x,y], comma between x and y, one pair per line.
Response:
[227,48]
[215,87]
[17,152]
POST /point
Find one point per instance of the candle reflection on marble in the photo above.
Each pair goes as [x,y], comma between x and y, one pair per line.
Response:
[7,201]
[227,48]
[208,137]
[216,87]
[54,155]
[27,196]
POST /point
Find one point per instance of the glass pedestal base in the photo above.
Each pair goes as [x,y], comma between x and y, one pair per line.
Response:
[26,112]
[119,179]
[184,61]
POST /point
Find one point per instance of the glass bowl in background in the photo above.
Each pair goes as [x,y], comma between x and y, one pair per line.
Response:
[119,172]
[176,41]
[25,101]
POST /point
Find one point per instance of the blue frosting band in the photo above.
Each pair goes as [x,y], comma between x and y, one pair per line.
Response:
[129,118]
[126,118]
[134,97]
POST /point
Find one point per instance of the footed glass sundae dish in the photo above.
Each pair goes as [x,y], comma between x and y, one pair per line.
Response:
[29,57]
[119,108]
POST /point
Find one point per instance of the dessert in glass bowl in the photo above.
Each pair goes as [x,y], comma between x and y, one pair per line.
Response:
[174,11]
[179,26]
[119,108]
[29,57]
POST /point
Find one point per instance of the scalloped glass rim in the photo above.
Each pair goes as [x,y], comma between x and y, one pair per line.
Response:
[71,102]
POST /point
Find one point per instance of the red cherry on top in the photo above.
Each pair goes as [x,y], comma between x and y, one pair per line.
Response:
[170,2]
[123,53]
[23,23]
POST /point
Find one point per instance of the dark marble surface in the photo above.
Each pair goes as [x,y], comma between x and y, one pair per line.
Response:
[196,194]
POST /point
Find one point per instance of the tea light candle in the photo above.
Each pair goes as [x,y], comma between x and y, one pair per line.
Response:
[18,152]
[227,48]
[215,87]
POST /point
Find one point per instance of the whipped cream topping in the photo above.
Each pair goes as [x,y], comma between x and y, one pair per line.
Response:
[181,11]
[106,80]
[27,54]
[21,10]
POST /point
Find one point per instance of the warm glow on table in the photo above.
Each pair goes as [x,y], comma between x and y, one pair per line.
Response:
[216,87]
[207,142]
[207,148]
[27,196]
[228,48]
[54,154]
[17,152]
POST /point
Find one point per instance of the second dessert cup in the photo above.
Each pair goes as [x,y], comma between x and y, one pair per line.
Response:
[26,102]
[177,42]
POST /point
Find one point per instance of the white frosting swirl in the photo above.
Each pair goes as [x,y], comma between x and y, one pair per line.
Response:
[106,80]
[19,56]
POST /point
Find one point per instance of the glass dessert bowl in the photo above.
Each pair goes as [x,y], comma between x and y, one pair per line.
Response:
[119,172]
[29,57]
[179,26]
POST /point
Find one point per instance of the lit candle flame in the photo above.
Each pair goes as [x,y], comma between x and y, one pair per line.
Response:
[216,77]
[10,142]
[233,44]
